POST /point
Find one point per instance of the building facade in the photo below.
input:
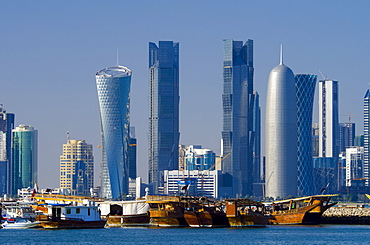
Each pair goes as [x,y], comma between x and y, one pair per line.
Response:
[328,119]
[77,167]
[237,133]
[366,137]
[197,158]
[257,167]
[305,86]
[6,127]
[192,182]
[347,133]
[164,102]
[113,86]
[354,166]
[281,133]
[24,158]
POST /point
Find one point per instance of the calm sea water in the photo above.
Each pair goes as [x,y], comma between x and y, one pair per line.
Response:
[323,234]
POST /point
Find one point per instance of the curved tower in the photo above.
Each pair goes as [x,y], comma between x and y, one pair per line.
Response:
[305,85]
[281,133]
[113,85]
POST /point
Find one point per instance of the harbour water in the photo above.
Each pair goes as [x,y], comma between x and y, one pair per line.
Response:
[320,234]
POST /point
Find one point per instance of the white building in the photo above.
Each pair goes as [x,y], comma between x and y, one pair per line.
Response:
[195,182]
[354,164]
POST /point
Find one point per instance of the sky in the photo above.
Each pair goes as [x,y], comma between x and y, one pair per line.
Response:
[51,50]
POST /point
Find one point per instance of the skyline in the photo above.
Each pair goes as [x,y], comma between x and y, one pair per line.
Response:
[49,53]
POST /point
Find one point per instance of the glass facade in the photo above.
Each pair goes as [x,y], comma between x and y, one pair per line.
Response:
[163,111]
[24,153]
[197,158]
[113,86]
[6,127]
[305,85]
[237,99]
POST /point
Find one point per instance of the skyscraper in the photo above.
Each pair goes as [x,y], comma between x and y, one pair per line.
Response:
[366,137]
[6,126]
[77,167]
[281,133]
[305,85]
[237,133]
[257,173]
[113,85]
[328,119]
[347,133]
[163,111]
[24,153]
[132,151]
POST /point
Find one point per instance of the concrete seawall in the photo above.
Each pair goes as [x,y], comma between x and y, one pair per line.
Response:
[346,215]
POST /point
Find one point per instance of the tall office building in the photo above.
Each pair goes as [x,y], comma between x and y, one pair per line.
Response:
[366,137]
[346,135]
[24,158]
[132,152]
[164,101]
[113,85]
[6,127]
[305,85]
[237,99]
[281,133]
[257,173]
[328,119]
[77,167]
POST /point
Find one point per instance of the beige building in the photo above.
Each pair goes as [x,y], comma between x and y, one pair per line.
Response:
[77,167]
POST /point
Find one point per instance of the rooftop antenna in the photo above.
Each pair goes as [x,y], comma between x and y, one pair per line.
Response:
[117,64]
[325,77]
[68,136]
[281,54]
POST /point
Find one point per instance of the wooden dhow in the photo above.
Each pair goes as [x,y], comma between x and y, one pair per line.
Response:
[244,212]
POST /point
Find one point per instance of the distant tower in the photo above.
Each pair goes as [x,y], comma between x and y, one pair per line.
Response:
[164,101]
[24,152]
[328,119]
[257,168]
[305,85]
[113,85]
[132,152]
[347,133]
[237,132]
[366,137]
[281,133]
[77,167]
[6,127]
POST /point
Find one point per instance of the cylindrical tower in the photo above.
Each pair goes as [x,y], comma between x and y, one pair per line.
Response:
[281,133]
[113,85]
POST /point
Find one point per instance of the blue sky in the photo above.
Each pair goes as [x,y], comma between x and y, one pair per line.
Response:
[51,50]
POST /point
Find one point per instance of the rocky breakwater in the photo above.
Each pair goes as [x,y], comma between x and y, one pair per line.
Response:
[346,215]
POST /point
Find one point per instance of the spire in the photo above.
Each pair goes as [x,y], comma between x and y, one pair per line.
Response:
[117,62]
[281,54]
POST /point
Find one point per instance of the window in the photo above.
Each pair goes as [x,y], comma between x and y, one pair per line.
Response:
[77,210]
[68,211]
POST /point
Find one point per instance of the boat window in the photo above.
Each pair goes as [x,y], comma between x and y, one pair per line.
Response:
[68,211]
[88,212]
[77,210]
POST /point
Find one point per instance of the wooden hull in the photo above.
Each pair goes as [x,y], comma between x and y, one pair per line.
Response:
[205,219]
[306,215]
[248,220]
[128,220]
[72,224]
[167,218]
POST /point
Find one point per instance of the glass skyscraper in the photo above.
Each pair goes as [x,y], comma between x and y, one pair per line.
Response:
[305,85]
[6,127]
[24,162]
[163,111]
[237,136]
[113,86]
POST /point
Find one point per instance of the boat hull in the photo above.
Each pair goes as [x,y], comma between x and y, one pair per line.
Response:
[128,220]
[27,225]
[205,219]
[167,219]
[72,224]
[248,220]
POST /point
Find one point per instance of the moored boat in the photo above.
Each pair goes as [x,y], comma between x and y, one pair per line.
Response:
[167,211]
[244,212]
[20,223]
[61,216]
[303,210]
[205,213]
